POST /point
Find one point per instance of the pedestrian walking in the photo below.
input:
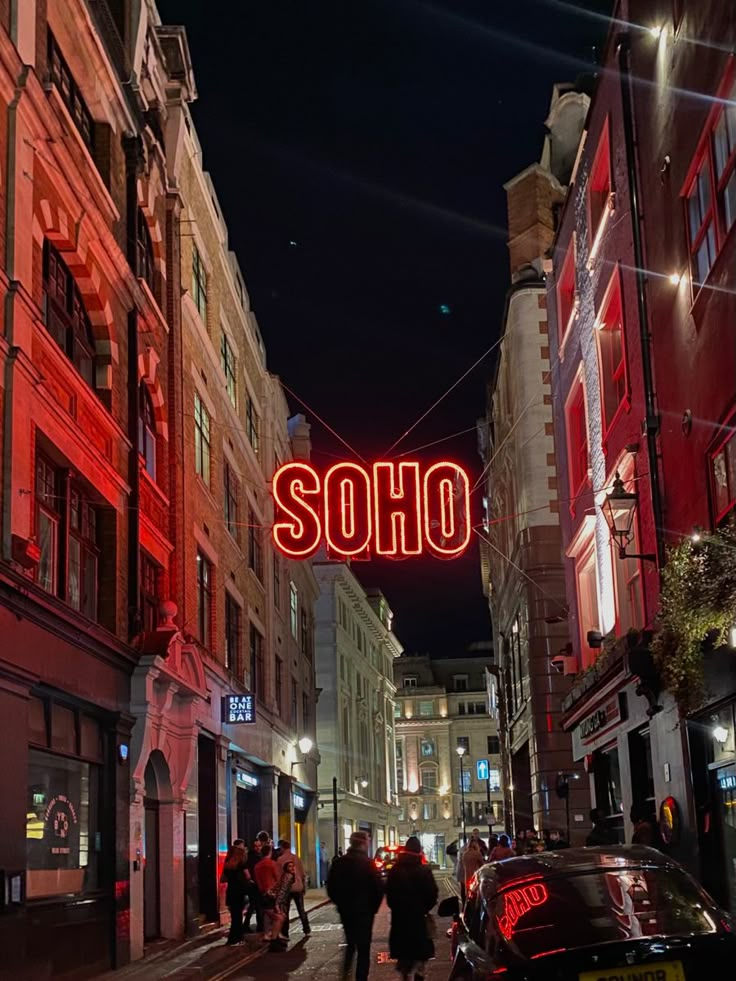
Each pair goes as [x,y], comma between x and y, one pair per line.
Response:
[235,874]
[411,892]
[268,877]
[471,861]
[481,844]
[354,886]
[254,894]
[279,912]
[296,895]
[502,850]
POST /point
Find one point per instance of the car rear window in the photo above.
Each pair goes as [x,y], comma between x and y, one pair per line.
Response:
[541,916]
[383,854]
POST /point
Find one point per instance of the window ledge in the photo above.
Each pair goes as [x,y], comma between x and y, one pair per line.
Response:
[72,130]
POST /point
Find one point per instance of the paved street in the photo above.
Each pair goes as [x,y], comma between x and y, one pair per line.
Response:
[320,956]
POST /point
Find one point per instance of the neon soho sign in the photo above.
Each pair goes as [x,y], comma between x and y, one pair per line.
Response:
[390,509]
[517,902]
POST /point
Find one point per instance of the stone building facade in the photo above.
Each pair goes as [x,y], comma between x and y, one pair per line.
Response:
[522,569]
[356,652]
[140,430]
[441,704]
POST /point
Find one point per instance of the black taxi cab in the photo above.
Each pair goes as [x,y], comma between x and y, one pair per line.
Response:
[621,913]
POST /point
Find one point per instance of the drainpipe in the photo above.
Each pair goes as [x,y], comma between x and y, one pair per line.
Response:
[132,148]
[13,176]
[651,421]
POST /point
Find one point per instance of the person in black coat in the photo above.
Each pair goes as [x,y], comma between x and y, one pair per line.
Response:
[411,892]
[355,887]
[235,875]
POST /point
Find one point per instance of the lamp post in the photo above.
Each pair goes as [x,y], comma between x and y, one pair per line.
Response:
[461,752]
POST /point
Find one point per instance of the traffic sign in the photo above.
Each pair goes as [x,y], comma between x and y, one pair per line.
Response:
[481,770]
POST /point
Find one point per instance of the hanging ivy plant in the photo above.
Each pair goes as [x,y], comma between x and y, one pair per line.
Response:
[697,606]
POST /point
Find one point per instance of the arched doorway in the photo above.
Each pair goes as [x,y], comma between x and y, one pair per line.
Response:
[157,792]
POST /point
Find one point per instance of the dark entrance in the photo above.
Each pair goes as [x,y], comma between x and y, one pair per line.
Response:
[158,790]
[207,792]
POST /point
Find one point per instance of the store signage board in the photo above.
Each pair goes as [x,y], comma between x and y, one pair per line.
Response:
[247,779]
[299,802]
[393,509]
[603,718]
[239,709]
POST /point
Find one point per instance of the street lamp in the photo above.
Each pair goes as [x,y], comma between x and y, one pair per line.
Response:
[461,752]
[305,746]
[364,783]
[618,510]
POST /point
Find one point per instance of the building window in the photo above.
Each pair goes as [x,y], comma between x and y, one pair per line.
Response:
[204,599]
[65,316]
[460,682]
[228,366]
[587,590]
[279,685]
[294,703]
[255,545]
[304,632]
[257,678]
[466,782]
[149,593]
[599,187]
[426,708]
[276,582]
[231,500]
[146,430]
[70,95]
[494,780]
[251,423]
[201,440]
[429,811]
[577,439]
[199,284]
[711,193]
[612,355]
[306,713]
[723,477]
[494,746]
[566,292]
[463,741]
[410,681]
[144,251]
[232,633]
[428,777]
[293,609]
[68,566]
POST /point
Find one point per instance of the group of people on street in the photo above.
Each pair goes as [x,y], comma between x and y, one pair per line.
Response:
[262,881]
[356,888]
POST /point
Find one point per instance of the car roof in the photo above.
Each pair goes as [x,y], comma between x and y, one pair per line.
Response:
[567,861]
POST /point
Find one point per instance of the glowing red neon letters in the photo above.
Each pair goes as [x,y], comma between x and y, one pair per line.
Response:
[517,902]
[391,509]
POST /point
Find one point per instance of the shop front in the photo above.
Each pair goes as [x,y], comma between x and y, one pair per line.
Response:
[634,753]
[64,818]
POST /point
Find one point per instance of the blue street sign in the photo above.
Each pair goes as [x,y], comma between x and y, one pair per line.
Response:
[481,770]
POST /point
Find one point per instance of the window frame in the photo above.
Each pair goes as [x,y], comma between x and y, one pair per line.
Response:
[255,545]
[704,161]
[65,316]
[149,597]
[576,412]
[229,368]
[69,93]
[202,442]
[147,436]
[204,581]
[252,423]
[293,609]
[724,438]
[257,663]
[600,183]
[585,556]
[612,310]
[145,257]
[199,283]
[233,633]
[230,498]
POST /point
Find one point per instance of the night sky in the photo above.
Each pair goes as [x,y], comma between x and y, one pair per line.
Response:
[358,150]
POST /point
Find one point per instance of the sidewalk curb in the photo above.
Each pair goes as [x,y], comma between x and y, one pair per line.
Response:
[254,955]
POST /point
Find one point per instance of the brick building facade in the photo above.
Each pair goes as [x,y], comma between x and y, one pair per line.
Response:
[136,588]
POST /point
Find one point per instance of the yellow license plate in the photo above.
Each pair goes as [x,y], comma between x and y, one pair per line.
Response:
[665,971]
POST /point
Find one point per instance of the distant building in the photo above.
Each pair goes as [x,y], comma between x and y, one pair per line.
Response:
[521,544]
[355,653]
[442,704]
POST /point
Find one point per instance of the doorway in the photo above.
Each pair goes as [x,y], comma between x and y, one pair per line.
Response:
[158,791]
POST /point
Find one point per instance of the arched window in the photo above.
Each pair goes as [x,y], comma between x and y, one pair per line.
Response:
[65,316]
[146,430]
